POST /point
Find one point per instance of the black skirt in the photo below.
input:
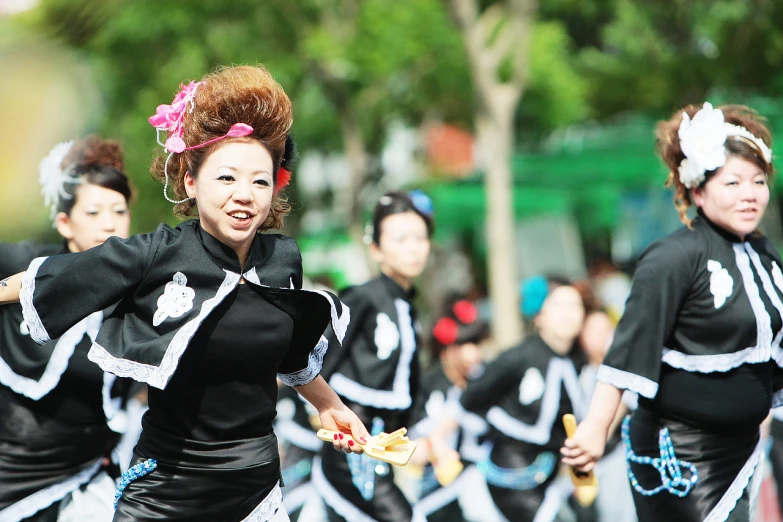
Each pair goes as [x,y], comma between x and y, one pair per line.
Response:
[198,481]
[725,461]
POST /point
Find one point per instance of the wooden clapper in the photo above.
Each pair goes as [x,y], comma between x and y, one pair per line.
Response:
[586,483]
[394,448]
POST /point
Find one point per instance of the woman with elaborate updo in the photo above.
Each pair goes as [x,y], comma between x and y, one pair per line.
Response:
[58,411]
[209,312]
[699,341]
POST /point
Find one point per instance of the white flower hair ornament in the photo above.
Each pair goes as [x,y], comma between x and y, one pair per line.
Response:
[702,141]
[53,178]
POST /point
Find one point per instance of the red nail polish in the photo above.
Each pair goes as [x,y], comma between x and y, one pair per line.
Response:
[335,436]
[341,436]
[364,441]
[350,443]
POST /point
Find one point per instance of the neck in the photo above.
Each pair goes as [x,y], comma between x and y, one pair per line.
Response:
[559,345]
[452,373]
[404,282]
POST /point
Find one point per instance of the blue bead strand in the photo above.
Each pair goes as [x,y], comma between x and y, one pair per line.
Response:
[131,474]
[668,465]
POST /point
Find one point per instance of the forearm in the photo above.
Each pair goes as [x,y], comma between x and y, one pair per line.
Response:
[318,393]
[10,288]
[604,406]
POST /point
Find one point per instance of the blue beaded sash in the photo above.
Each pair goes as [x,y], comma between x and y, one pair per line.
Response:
[131,474]
[667,465]
[364,469]
[521,479]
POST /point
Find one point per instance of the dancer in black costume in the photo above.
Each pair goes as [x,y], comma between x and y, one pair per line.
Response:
[209,313]
[57,409]
[376,370]
[700,337]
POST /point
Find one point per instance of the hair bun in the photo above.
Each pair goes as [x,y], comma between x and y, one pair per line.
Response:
[95,152]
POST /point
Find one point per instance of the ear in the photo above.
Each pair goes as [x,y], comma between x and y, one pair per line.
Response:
[375,253]
[62,222]
[697,195]
[190,185]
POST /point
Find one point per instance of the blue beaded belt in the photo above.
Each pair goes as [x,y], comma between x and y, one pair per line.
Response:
[668,465]
[131,474]
[364,469]
[522,479]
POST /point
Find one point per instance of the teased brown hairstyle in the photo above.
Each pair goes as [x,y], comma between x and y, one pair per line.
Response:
[96,162]
[243,94]
[667,145]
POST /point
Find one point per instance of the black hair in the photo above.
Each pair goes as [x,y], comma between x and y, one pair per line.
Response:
[396,203]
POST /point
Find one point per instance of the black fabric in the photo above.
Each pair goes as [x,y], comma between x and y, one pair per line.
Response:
[199,481]
[672,304]
[225,366]
[518,506]
[17,349]
[389,504]
[718,457]
[135,272]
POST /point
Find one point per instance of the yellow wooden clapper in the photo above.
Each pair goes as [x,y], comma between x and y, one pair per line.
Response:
[394,448]
[586,483]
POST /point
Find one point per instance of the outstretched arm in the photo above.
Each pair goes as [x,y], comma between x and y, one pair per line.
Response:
[334,414]
[10,288]
[587,445]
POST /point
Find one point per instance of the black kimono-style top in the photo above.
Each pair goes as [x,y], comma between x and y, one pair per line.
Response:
[523,395]
[377,365]
[55,382]
[168,284]
[700,337]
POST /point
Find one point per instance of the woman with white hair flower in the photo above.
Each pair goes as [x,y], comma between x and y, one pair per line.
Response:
[700,337]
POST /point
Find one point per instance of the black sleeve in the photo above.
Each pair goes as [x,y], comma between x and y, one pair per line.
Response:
[660,285]
[337,352]
[498,376]
[59,291]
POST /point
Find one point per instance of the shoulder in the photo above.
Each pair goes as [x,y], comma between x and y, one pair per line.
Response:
[679,252]
[765,248]
[283,246]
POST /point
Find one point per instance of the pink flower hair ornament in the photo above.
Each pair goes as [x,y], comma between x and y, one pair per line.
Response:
[169,118]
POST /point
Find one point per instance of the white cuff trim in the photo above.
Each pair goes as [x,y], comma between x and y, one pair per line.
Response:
[38,332]
[313,369]
[628,381]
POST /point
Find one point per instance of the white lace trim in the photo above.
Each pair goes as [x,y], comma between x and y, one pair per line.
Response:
[298,435]
[333,497]
[339,322]
[627,381]
[769,288]
[37,330]
[314,364]
[120,367]
[44,498]
[763,321]
[268,507]
[399,397]
[559,372]
[729,500]
[721,362]
[58,362]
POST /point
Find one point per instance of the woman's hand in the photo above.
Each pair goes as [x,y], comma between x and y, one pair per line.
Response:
[341,419]
[583,450]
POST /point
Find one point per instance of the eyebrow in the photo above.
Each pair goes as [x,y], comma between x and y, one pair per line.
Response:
[229,167]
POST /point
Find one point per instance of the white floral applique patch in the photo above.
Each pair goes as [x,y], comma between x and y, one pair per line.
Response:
[721,283]
[777,276]
[177,299]
[387,336]
[532,386]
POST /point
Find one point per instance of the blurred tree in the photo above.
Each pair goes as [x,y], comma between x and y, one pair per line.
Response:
[497,38]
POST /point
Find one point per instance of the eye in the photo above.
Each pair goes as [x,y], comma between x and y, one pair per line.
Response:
[761,182]
[731,183]
[92,212]
[263,182]
[226,177]
[121,212]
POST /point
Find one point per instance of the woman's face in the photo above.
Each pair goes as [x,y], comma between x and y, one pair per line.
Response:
[562,314]
[233,192]
[97,214]
[465,357]
[736,197]
[403,247]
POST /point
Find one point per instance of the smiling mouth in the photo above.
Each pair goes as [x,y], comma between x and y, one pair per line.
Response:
[241,216]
